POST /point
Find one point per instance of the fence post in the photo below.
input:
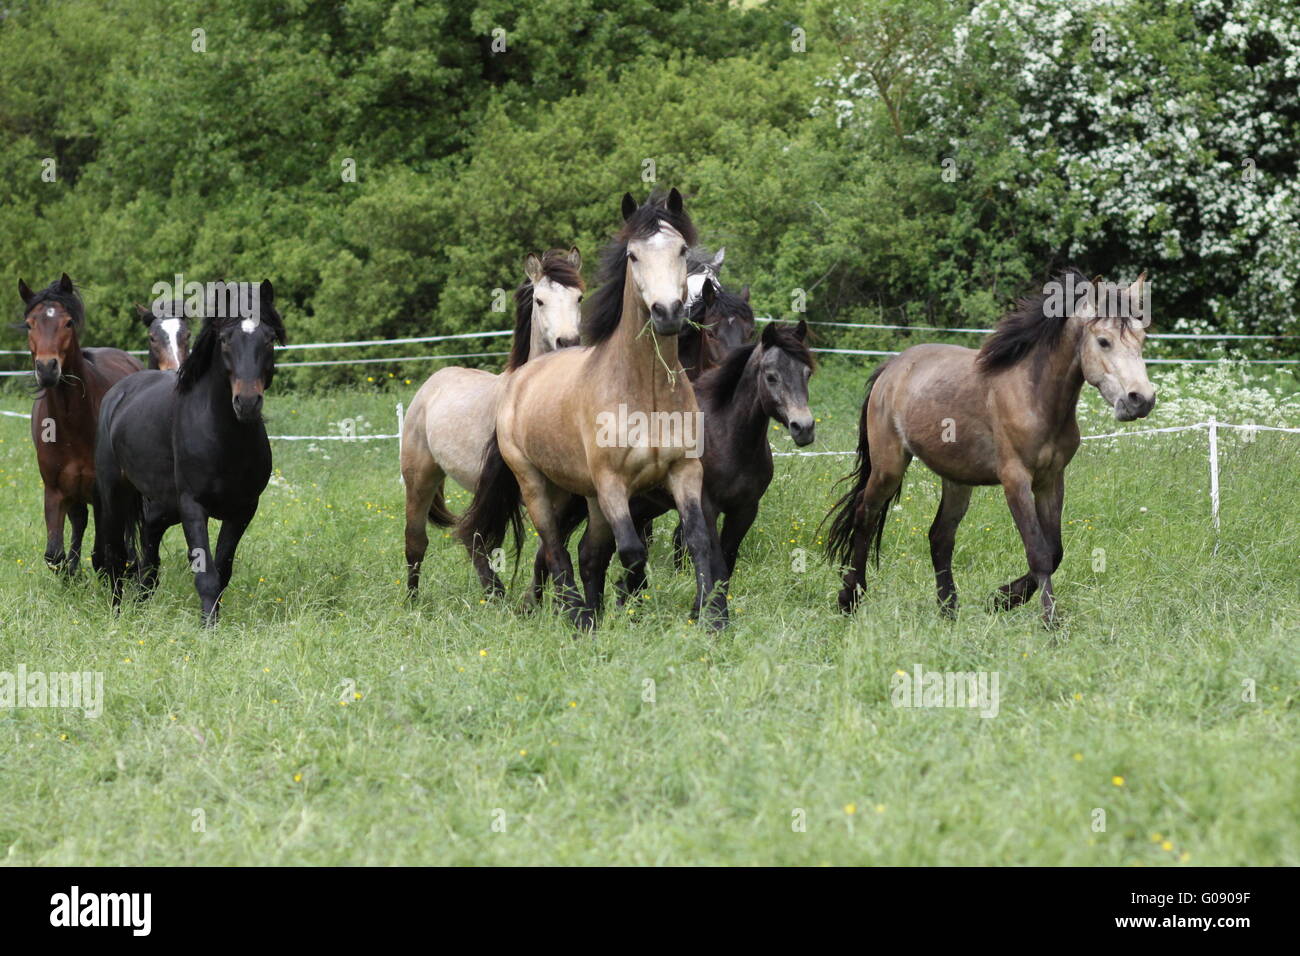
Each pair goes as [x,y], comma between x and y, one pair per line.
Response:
[1214,478]
[401,420]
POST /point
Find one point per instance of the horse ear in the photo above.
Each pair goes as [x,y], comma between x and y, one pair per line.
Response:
[708,293]
[65,284]
[674,201]
[716,264]
[574,257]
[1137,301]
[533,268]
[629,206]
[769,335]
[266,293]
[144,315]
[744,294]
[801,330]
[25,293]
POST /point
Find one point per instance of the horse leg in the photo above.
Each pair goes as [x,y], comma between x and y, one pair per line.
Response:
[1018,487]
[151,533]
[78,515]
[889,461]
[679,547]
[594,554]
[612,500]
[943,534]
[423,480]
[735,526]
[1047,504]
[685,482]
[571,514]
[55,511]
[207,578]
[536,491]
[643,516]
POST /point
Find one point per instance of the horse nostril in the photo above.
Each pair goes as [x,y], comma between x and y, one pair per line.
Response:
[566,341]
[1135,398]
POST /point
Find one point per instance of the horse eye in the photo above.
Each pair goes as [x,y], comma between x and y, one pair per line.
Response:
[540,303]
[683,250]
[631,257]
[1104,343]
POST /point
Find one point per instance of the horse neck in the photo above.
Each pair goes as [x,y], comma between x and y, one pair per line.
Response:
[743,414]
[1057,390]
[212,391]
[643,361]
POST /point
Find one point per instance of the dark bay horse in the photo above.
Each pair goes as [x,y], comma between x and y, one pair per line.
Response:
[757,383]
[559,428]
[452,416]
[72,382]
[183,448]
[718,321]
[1002,415]
[169,335]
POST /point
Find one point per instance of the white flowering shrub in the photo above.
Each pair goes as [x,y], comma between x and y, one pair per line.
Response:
[1147,135]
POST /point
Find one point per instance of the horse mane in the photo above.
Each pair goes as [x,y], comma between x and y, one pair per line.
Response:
[556,267]
[205,347]
[606,309]
[1025,328]
[71,302]
[724,303]
[718,385]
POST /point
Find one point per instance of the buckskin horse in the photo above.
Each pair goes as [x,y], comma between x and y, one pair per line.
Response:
[551,439]
[182,448]
[72,382]
[1002,415]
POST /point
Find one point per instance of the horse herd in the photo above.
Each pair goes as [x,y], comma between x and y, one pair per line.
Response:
[661,341]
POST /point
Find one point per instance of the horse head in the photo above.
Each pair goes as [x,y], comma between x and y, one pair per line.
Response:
[52,318]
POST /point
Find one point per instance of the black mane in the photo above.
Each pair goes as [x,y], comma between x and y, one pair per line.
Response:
[205,348]
[71,302]
[556,267]
[1026,327]
[606,309]
[724,304]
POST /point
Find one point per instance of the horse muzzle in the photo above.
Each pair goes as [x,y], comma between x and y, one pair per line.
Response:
[802,430]
[667,317]
[1134,405]
[48,372]
[247,403]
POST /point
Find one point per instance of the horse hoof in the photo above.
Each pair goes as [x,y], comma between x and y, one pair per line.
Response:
[848,600]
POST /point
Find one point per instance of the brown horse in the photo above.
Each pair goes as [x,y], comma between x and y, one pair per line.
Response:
[169,334]
[72,382]
[1002,415]
[567,423]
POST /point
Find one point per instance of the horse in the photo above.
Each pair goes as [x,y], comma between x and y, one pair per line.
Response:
[765,380]
[559,426]
[1002,415]
[169,335]
[182,448]
[450,420]
[716,323]
[72,382]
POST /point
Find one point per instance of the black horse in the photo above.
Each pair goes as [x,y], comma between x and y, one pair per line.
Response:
[183,448]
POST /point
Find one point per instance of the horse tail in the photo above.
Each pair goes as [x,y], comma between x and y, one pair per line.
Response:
[496,505]
[438,513]
[839,540]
